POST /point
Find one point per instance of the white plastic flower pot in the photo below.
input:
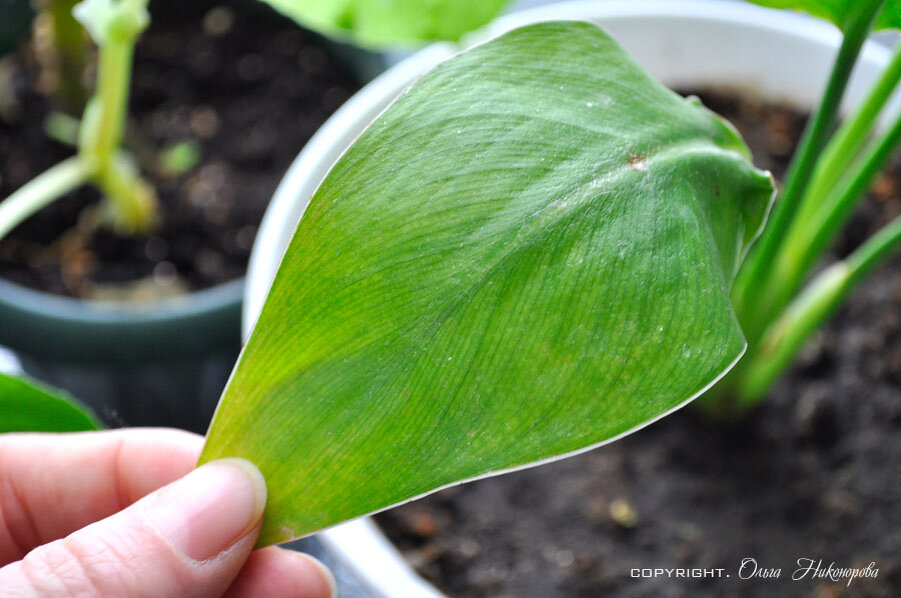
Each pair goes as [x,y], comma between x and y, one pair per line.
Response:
[775,55]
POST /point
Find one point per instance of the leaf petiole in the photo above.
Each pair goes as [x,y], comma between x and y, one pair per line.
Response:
[850,139]
[809,311]
[809,239]
[872,253]
[754,299]
[41,191]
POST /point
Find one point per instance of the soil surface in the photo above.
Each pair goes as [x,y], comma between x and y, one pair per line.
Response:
[814,473]
[246,85]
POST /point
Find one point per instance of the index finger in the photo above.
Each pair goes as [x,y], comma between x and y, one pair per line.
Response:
[54,484]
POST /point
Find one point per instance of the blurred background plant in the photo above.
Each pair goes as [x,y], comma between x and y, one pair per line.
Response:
[114,26]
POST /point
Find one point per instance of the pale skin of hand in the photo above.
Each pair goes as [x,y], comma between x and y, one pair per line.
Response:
[122,514]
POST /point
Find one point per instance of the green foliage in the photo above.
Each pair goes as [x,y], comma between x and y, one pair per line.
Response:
[388,22]
[529,253]
[131,203]
[841,12]
[28,407]
[891,16]
[778,301]
[114,25]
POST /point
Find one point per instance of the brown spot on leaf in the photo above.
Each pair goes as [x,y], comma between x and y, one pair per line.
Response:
[637,162]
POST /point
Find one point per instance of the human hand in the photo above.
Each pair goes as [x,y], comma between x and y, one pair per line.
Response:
[102,514]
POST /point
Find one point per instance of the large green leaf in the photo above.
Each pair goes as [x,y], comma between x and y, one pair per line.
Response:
[529,253]
[840,12]
[28,407]
[381,22]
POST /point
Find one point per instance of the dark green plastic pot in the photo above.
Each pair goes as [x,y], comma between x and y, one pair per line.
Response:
[160,363]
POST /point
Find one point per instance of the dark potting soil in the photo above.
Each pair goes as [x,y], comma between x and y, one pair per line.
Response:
[814,473]
[247,85]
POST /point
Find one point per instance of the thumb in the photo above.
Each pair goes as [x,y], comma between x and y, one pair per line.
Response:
[189,538]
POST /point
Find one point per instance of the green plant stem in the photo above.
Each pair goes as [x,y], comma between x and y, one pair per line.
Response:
[782,342]
[849,140]
[107,121]
[40,191]
[809,239]
[754,304]
[132,200]
[810,310]
[872,253]
[121,180]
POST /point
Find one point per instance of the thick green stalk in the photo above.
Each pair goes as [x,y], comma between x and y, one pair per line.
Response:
[809,239]
[849,140]
[809,311]
[39,192]
[754,300]
[783,341]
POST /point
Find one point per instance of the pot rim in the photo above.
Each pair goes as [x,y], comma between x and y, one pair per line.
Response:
[62,328]
[113,312]
[359,544]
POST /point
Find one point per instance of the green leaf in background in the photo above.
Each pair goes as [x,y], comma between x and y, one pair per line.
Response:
[385,22]
[28,407]
[527,254]
[890,18]
[841,12]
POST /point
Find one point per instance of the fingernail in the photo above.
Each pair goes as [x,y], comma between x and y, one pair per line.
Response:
[211,508]
[327,575]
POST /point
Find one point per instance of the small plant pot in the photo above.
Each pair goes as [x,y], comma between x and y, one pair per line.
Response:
[775,55]
[157,363]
